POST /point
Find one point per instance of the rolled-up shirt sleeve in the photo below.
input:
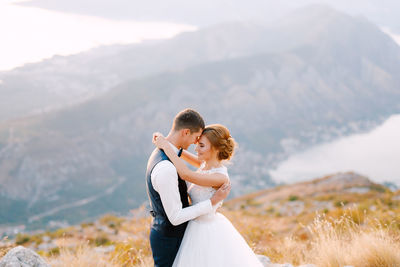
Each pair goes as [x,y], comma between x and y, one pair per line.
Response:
[165,181]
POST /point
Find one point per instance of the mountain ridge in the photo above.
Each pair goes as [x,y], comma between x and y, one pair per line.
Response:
[73,79]
[294,98]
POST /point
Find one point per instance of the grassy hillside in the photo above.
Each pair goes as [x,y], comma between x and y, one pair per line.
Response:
[341,219]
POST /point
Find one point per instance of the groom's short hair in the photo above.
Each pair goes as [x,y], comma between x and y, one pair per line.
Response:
[188,119]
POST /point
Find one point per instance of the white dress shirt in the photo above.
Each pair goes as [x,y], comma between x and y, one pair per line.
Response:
[164,178]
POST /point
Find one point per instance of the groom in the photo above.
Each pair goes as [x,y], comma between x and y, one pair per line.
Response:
[167,192]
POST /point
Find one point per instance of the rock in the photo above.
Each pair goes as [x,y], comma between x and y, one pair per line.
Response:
[103,250]
[46,238]
[47,246]
[279,265]
[22,257]
[264,260]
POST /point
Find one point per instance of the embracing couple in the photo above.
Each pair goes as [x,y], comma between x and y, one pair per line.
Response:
[193,234]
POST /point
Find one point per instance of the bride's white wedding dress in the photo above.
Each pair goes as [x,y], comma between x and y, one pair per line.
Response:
[211,240]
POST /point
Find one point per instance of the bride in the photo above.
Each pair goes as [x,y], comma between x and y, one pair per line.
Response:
[210,240]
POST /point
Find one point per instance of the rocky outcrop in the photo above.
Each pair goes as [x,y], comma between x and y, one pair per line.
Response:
[267,263]
[264,260]
[22,257]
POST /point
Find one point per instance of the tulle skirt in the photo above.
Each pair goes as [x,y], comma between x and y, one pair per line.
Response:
[212,241]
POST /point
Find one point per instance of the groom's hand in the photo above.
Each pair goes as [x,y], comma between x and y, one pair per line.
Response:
[221,193]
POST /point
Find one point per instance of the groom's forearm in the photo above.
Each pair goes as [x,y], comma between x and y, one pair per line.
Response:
[179,216]
[166,184]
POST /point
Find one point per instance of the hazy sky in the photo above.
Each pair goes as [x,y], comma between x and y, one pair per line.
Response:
[206,12]
[375,154]
[31,34]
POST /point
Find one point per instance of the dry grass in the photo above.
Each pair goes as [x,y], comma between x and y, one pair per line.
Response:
[82,256]
[5,248]
[134,251]
[325,242]
[344,242]
[363,233]
[85,256]
[342,236]
[3,251]
[339,242]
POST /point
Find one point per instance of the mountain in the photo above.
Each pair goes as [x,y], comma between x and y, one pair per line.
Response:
[66,80]
[323,74]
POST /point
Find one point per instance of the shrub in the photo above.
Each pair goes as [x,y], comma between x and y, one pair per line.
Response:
[341,203]
[111,221]
[101,240]
[22,239]
[62,232]
[54,251]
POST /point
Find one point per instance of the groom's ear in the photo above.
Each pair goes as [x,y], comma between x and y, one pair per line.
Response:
[185,132]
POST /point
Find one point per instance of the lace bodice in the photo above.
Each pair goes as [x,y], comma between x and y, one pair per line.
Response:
[200,193]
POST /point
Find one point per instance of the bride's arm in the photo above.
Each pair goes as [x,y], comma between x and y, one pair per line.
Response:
[203,179]
[191,158]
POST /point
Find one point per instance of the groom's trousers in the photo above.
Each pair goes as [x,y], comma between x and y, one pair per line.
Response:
[164,248]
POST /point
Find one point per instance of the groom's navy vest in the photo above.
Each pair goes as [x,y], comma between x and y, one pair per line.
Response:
[160,221]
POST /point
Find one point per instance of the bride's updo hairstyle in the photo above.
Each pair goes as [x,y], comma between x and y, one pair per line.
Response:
[221,140]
